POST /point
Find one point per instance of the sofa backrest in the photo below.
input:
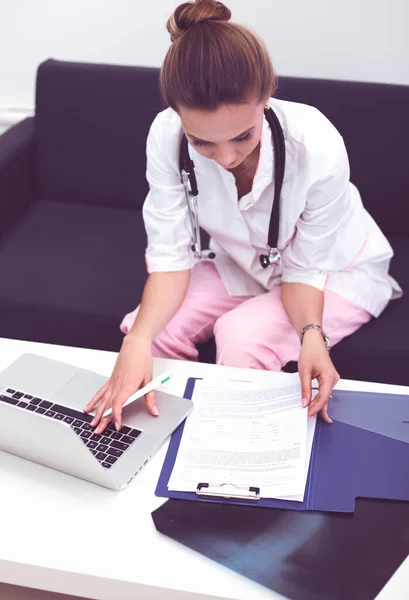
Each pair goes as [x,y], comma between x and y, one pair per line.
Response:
[373,118]
[91,125]
[92,121]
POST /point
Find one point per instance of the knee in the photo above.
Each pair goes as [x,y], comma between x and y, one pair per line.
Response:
[171,344]
[242,343]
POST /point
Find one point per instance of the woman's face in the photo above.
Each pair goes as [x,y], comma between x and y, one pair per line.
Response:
[227,135]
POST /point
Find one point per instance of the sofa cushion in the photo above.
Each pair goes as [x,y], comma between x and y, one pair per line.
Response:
[91,127]
[380,350]
[69,273]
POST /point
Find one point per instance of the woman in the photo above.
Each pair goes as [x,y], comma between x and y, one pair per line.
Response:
[333,277]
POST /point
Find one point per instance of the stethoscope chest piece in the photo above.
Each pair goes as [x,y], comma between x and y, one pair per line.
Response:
[272,258]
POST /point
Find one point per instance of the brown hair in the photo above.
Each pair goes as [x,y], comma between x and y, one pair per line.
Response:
[213,62]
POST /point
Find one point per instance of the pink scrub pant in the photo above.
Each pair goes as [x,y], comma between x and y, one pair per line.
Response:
[250,331]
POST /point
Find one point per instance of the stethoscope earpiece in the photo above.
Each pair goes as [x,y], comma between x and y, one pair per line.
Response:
[202,254]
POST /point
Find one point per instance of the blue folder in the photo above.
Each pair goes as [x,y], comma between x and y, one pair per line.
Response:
[364,453]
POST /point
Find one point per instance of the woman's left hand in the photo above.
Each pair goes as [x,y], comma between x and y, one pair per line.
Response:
[314,362]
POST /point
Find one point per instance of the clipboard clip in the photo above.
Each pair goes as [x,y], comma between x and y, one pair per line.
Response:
[228,490]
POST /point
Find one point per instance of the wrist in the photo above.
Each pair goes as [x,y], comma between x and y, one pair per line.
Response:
[312,336]
[313,330]
[139,334]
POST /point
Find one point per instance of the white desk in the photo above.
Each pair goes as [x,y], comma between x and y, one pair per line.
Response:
[65,535]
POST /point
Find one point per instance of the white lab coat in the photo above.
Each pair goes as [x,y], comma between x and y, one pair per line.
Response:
[327,239]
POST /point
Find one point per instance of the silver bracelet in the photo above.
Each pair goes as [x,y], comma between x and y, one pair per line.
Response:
[322,332]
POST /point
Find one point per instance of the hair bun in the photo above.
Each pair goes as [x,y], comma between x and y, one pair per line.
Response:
[189,14]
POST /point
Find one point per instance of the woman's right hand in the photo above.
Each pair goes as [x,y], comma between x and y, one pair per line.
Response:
[133,370]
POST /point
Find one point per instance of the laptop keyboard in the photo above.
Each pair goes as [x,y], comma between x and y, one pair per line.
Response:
[107,447]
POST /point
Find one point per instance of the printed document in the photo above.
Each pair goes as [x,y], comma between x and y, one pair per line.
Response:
[246,437]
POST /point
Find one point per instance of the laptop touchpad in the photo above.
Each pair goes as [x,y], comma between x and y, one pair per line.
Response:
[80,389]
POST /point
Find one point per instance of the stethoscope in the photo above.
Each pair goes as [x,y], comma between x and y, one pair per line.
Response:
[188,178]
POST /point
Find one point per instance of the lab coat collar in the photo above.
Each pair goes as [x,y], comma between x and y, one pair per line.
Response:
[265,168]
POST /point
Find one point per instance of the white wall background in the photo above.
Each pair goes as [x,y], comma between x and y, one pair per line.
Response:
[344,39]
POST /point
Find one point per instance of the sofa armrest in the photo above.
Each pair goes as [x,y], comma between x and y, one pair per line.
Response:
[17,173]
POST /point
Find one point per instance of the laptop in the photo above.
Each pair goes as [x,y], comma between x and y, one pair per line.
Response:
[42,420]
